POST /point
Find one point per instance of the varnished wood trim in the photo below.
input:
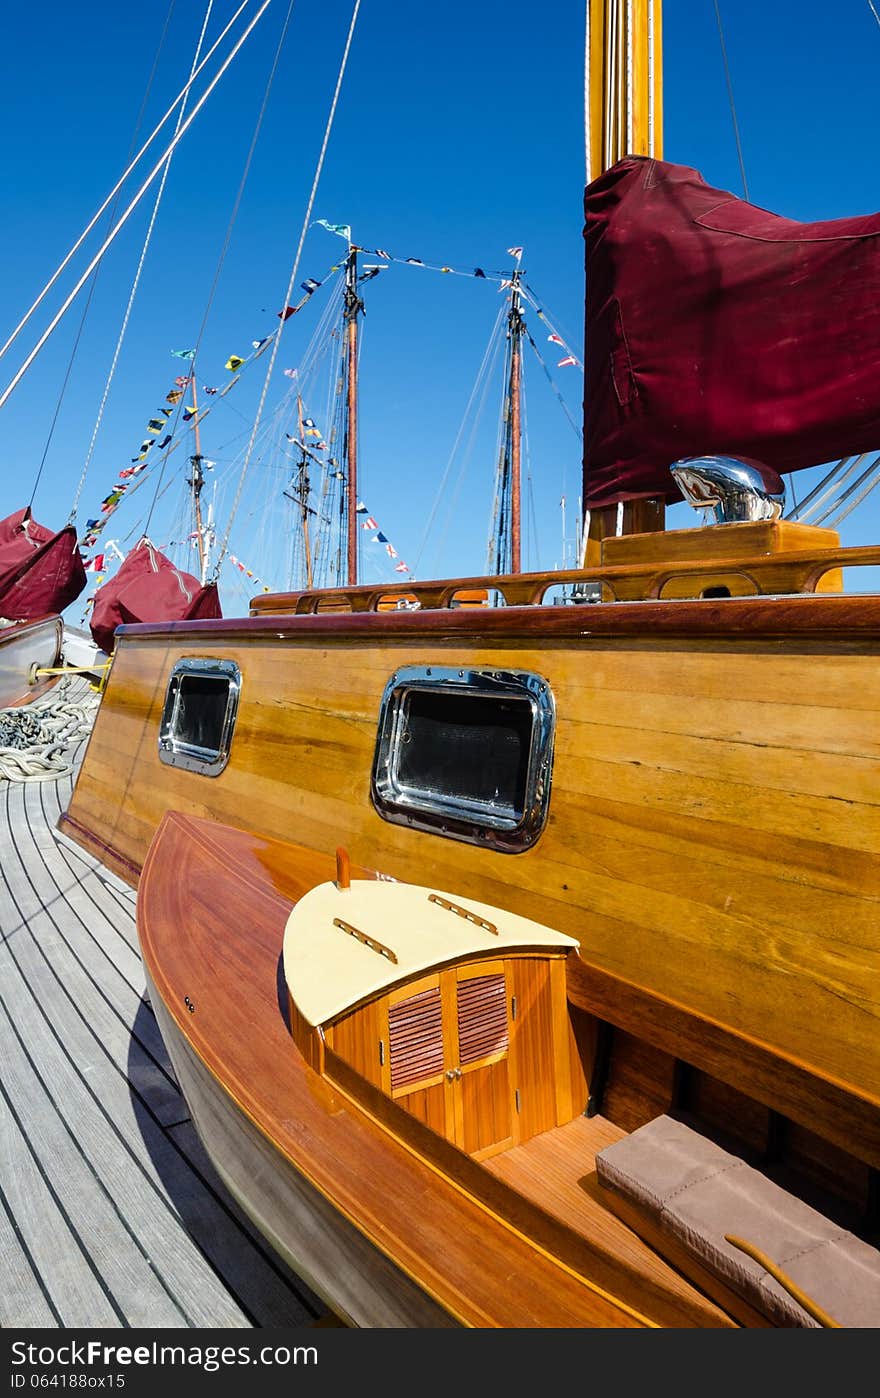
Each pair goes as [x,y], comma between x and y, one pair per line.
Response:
[120,864]
[794,618]
[845,1117]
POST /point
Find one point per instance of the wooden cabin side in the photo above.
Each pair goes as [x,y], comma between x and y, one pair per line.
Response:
[713,829]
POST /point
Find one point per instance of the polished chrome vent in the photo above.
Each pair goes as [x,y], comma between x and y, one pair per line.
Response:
[730,490]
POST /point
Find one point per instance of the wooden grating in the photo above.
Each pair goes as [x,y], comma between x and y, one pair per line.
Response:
[415,1038]
[482,1017]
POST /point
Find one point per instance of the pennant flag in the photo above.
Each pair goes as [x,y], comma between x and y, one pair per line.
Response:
[308,422]
[556,339]
[379,539]
[445,269]
[155,424]
[368,273]
[256,343]
[145,445]
[289,373]
[182,380]
[287,312]
[380,252]
[184,354]
[165,440]
[174,396]
[342,229]
[369,523]
[569,359]
[390,551]
[401,568]
[210,391]
[515,252]
[309,285]
[95,564]
[188,413]
[233,362]
[360,508]
[414,261]
[478,272]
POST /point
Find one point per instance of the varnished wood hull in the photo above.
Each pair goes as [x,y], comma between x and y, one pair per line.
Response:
[360,1284]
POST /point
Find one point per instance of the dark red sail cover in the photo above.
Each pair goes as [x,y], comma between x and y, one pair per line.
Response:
[40,572]
[713,326]
[148,587]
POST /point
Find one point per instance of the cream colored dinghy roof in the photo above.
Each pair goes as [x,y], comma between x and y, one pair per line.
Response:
[328,968]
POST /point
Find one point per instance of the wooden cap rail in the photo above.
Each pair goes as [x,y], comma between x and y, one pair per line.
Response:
[791,572]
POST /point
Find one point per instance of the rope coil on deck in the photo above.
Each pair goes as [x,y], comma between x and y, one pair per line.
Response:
[34,739]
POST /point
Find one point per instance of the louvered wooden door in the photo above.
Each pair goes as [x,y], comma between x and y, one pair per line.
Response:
[448,1042]
[481,1102]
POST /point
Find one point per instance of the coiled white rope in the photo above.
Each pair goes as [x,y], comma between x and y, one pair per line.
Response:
[34,739]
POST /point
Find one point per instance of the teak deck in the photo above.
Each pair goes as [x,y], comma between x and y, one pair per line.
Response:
[111,1215]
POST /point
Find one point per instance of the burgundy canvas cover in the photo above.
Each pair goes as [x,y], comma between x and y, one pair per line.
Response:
[715,327]
[40,572]
[148,587]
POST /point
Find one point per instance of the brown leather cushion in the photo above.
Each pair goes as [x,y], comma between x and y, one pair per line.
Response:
[693,1191]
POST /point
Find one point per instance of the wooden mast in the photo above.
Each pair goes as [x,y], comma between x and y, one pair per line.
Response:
[353,304]
[623,115]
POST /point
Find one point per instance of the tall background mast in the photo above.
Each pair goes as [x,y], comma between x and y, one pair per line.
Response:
[352,306]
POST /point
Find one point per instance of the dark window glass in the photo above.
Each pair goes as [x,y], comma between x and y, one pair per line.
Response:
[201,711]
[472,748]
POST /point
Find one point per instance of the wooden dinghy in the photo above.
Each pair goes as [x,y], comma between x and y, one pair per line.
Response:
[393,1221]
[387,1078]
[25,647]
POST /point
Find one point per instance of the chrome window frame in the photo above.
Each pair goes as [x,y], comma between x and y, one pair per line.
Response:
[208,762]
[475,822]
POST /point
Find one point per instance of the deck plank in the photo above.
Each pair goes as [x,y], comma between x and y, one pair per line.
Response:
[110,1212]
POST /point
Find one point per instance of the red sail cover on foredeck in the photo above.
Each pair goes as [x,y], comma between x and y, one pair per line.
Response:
[713,326]
[148,587]
[40,572]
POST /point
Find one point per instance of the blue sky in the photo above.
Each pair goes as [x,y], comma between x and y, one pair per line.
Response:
[458,134]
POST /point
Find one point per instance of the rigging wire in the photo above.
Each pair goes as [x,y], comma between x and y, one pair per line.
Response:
[742,167]
[137,277]
[132,206]
[82,323]
[236,206]
[293,274]
[113,195]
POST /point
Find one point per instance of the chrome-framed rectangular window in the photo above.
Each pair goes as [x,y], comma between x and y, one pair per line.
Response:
[466,753]
[199,715]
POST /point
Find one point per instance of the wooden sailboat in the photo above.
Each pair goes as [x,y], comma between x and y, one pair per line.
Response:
[518,963]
